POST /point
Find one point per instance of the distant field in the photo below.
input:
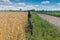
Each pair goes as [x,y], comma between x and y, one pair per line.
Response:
[12,25]
[57,14]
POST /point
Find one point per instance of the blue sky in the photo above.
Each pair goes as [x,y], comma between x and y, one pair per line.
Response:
[30,4]
[37,1]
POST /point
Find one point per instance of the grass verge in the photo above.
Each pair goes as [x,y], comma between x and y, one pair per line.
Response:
[57,14]
[42,30]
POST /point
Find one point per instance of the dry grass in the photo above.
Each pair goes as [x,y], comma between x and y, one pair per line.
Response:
[12,25]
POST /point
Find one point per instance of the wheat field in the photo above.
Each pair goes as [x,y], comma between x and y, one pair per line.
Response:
[12,25]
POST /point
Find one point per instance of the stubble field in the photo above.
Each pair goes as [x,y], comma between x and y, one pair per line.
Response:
[12,25]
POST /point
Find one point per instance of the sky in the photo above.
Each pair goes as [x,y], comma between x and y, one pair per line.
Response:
[30,4]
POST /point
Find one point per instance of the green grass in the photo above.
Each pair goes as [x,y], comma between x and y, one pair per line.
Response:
[57,14]
[42,30]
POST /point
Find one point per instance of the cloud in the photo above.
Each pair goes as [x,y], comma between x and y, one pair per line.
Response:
[50,7]
[45,2]
[15,6]
[36,5]
[58,3]
[9,8]
[30,7]
[8,2]
[26,7]
[20,4]
[5,2]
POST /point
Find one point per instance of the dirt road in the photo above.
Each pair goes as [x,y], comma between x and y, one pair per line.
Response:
[51,19]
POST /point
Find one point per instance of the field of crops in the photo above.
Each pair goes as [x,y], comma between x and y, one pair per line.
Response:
[43,30]
[55,13]
[12,25]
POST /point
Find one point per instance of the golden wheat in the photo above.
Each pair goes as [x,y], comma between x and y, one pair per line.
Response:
[12,25]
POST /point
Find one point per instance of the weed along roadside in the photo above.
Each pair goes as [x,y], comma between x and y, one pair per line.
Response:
[42,30]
